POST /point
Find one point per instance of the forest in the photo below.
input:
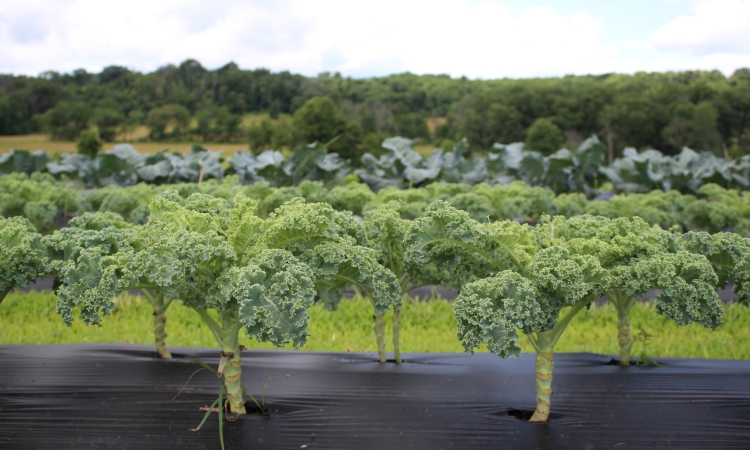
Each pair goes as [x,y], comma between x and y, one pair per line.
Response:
[705,111]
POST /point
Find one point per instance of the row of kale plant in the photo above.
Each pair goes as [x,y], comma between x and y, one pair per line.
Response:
[261,274]
[48,203]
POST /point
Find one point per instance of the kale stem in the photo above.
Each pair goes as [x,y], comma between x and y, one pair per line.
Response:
[396,334]
[623,305]
[160,321]
[380,335]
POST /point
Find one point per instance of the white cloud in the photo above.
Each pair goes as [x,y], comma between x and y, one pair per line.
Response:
[479,39]
[718,27]
[457,37]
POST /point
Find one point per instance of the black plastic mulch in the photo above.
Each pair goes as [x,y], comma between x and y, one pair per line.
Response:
[119,396]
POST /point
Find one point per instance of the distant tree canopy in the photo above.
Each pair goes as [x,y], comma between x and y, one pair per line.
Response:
[544,136]
[699,109]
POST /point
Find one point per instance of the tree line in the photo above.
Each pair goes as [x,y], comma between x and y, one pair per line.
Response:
[703,110]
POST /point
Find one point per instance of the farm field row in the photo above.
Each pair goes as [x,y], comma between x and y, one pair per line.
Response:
[41,141]
[35,142]
[581,171]
[427,326]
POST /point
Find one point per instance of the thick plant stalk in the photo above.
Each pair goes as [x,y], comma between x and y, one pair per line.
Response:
[230,364]
[623,305]
[380,335]
[544,344]
[232,374]
[160,322]
[624,339]
[396,335]
[543,383]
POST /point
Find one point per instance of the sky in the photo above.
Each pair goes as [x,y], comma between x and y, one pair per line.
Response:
[478,39]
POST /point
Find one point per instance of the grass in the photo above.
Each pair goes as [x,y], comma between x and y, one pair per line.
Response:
[427,326]
[41,141]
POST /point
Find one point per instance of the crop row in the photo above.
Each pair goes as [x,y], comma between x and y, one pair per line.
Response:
[261,272]
[582,170]
[48,203]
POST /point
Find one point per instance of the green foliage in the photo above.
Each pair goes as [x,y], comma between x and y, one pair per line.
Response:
[492,310]
[638,258]
[544,136]
[23,161]
[268,134]
[88,144]
[729,256]
[569,264]
[67,120]
[703,110]
[39,198]
[216,255]
[273,292]
[387,234]
[107,120]
[174,115]
[21,255]
[563,171]
[319,120]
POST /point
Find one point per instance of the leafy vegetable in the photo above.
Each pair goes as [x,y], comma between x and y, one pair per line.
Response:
[568,264]
[39,198]
[257,275]
[21,254]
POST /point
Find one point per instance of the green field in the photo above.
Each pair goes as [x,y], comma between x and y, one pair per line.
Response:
[427,326]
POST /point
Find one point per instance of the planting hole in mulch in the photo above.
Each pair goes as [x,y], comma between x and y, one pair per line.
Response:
[524,415]
[521,414]
[253,410]
[634,363]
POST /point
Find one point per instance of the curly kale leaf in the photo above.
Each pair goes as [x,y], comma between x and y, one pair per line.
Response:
[729,255]
[479,207]
[352,197]
[614,242]
[96,265]
[244,225]
[99,221]
[199,212]
[563,279]
[273,293]
[337,266]
[448,247]
[21,254]
[492,310]
[92,281]
[413,204]
[297,226]
[386,234]
[42,214]
[90,231]
[687,282]
[513,245]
